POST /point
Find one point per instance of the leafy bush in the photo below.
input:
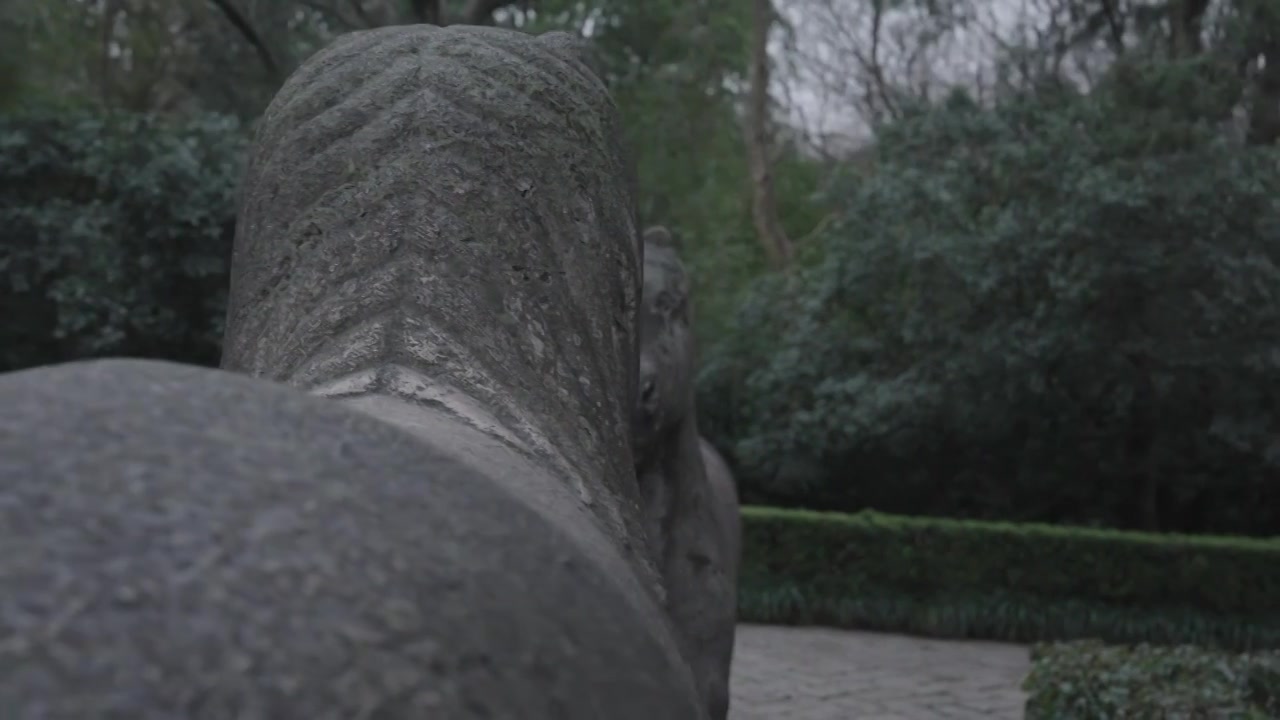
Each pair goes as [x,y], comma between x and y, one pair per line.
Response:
[1004,581]
[1088,680]
[1062,309]
[116,235]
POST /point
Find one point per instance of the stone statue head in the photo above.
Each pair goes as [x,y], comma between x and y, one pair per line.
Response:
[665,393]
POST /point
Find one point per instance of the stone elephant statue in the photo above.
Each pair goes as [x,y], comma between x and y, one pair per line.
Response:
[410,492]
[724,496]
[688,492]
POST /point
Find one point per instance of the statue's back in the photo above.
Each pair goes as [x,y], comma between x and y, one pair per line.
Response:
[437,233]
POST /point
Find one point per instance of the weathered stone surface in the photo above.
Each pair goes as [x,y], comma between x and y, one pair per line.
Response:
[445,215]
[437,231]
[666,361]
[724,495]
[187,543]
[690,501]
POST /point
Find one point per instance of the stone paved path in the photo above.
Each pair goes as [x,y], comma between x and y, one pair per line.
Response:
[783,673]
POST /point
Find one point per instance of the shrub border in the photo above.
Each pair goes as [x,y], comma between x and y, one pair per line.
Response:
[776,587]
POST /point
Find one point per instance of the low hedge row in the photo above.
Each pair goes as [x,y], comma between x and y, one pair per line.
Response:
[1005,581]
[1087,679]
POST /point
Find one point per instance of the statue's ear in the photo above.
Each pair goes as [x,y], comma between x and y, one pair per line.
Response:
[659,235]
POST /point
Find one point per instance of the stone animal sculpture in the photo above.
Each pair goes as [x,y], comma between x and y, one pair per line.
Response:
[682,476]
[424,505]
[724,495]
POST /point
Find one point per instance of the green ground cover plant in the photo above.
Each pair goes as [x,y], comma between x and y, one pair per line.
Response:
[1087,679]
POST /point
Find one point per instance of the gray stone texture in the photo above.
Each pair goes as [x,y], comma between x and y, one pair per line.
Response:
[724,498]
[810,673]
[178,542]
[437,232]
[445,215]
[692,516]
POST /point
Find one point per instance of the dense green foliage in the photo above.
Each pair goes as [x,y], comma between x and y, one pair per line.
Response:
[1062,309]
[680,123]
[1005,581]
[116,235]
[1086,680]
[1053,305]
[670,65]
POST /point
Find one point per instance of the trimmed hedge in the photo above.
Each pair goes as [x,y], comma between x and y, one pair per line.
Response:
[1005,581]
[1089,680]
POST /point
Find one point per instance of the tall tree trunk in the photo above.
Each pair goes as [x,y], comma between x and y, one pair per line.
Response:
[428,11]
[764,209]
[1186,22]
[1264,111]
[246,29]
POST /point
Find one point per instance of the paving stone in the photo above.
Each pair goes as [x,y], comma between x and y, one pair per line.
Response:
[803,673]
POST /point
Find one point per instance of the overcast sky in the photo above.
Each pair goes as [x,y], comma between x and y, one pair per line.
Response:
[818,81]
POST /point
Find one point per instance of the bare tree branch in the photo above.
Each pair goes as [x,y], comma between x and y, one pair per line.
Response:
[873,63]
[241,23]
[1116,25]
